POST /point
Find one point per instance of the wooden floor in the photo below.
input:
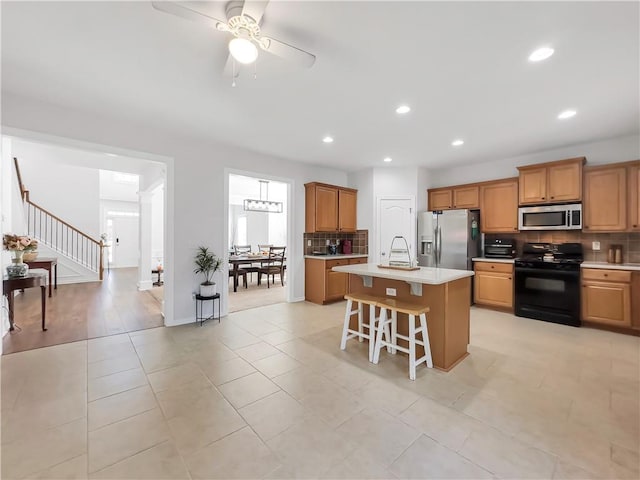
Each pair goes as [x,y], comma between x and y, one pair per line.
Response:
[83,310]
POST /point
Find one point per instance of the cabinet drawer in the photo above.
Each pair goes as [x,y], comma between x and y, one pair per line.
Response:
[329,264]
[494,267]
[357,261]
[606,275]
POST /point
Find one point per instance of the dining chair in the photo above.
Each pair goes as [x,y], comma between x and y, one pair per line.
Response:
[244,269]
[273,265]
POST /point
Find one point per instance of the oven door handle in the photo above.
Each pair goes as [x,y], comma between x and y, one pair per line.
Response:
[557,273]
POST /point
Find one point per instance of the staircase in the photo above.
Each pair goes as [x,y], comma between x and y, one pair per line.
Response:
[59,236]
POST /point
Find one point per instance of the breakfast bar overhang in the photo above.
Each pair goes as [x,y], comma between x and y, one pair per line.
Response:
[446,292]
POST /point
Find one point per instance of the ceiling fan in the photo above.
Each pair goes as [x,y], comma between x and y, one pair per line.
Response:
[243,23]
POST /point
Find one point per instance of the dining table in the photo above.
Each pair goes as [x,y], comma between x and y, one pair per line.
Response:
[235,261]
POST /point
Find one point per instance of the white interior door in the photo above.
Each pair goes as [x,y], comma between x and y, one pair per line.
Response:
[125,242]
[396,217]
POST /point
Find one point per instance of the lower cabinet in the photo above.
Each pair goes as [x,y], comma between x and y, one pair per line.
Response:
[606,296]
[322,284]
[493,284]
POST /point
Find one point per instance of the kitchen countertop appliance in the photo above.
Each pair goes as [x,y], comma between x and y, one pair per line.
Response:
[499,248]
[449,238]
[547,282]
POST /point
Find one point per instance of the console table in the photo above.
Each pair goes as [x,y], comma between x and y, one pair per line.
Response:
[33,279]
[48,263]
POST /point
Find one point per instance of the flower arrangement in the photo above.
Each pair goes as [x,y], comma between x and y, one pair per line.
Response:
[19,243]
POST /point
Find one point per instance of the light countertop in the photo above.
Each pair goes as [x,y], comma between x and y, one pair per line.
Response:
[337,256]
[493,260]
[611,266]
[425,275]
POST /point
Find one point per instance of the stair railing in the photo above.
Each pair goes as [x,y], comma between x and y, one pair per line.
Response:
[59,235]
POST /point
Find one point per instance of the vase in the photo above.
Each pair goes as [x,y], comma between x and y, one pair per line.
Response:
[17,268]
[207,290]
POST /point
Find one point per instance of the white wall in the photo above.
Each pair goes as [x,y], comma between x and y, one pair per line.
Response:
[68,191]
[195,191]
[112,189]
[606,151]
[157,227]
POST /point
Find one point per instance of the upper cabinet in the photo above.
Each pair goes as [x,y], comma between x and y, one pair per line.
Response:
[499,206]
[605,199]
[634,197]
[463,196]
[329,208]
[554,182]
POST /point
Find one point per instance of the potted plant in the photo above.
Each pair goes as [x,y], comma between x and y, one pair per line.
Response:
[207,263]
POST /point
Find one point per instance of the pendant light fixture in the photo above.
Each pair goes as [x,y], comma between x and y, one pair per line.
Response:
[263,205]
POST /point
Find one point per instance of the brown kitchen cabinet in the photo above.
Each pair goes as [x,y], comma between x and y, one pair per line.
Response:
[329,208]
[499,206]
[634,197]
[463,197]
[553,182]
[606,297]
[605,199]
[322,284]
[493,284]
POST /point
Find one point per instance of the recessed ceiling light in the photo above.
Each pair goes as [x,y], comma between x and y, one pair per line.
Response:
[566,114]
[402,109]
[457,143]
[387,159]
[111,155]
[541,54]
[327,139]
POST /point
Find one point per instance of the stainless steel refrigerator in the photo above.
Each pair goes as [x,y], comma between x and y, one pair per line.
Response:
[448,238]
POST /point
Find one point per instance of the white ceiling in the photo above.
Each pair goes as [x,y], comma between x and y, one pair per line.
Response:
[462,67]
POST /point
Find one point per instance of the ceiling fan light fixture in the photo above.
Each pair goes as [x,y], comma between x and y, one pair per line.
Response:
[243,50]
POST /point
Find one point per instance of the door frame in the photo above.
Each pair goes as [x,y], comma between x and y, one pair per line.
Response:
[292,248]
[376,235]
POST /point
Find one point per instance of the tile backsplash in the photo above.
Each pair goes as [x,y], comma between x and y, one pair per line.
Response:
[359,241]
[630,242]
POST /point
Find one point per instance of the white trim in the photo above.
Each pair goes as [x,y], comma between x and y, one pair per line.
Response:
[169,163]
[376,234]
[292,253]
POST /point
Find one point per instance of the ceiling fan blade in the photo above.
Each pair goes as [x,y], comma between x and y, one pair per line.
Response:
[288,52]
[184,11]
[254,9]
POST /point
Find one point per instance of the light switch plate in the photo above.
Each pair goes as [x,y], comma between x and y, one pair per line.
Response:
[595,246]
[328,242]
[308,243]
[391,292]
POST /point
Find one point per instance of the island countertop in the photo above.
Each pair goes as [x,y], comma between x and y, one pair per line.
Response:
[425,275]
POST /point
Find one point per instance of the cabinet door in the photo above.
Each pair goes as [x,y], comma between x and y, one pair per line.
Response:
[499,207]
[634,198]
[605,197]
[495,289]
[606,302]
[565,182]
[336,284]
[347,202]
[440,199]
[466,197]
[533,186]
[326,209]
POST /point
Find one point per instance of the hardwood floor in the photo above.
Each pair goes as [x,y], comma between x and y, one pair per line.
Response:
[83,310]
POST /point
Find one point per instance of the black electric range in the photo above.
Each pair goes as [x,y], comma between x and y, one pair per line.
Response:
[547,282]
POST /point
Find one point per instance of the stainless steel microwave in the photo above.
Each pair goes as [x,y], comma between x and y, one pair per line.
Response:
[551,217]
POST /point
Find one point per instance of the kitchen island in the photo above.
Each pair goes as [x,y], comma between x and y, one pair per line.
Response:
[445,291]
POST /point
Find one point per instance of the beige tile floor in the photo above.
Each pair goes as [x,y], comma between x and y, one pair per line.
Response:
[267,393]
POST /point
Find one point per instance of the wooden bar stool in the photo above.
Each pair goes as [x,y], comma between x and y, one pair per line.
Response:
[347,333]
[413,311]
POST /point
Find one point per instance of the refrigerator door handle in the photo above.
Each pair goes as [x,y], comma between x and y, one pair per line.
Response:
[439,246]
